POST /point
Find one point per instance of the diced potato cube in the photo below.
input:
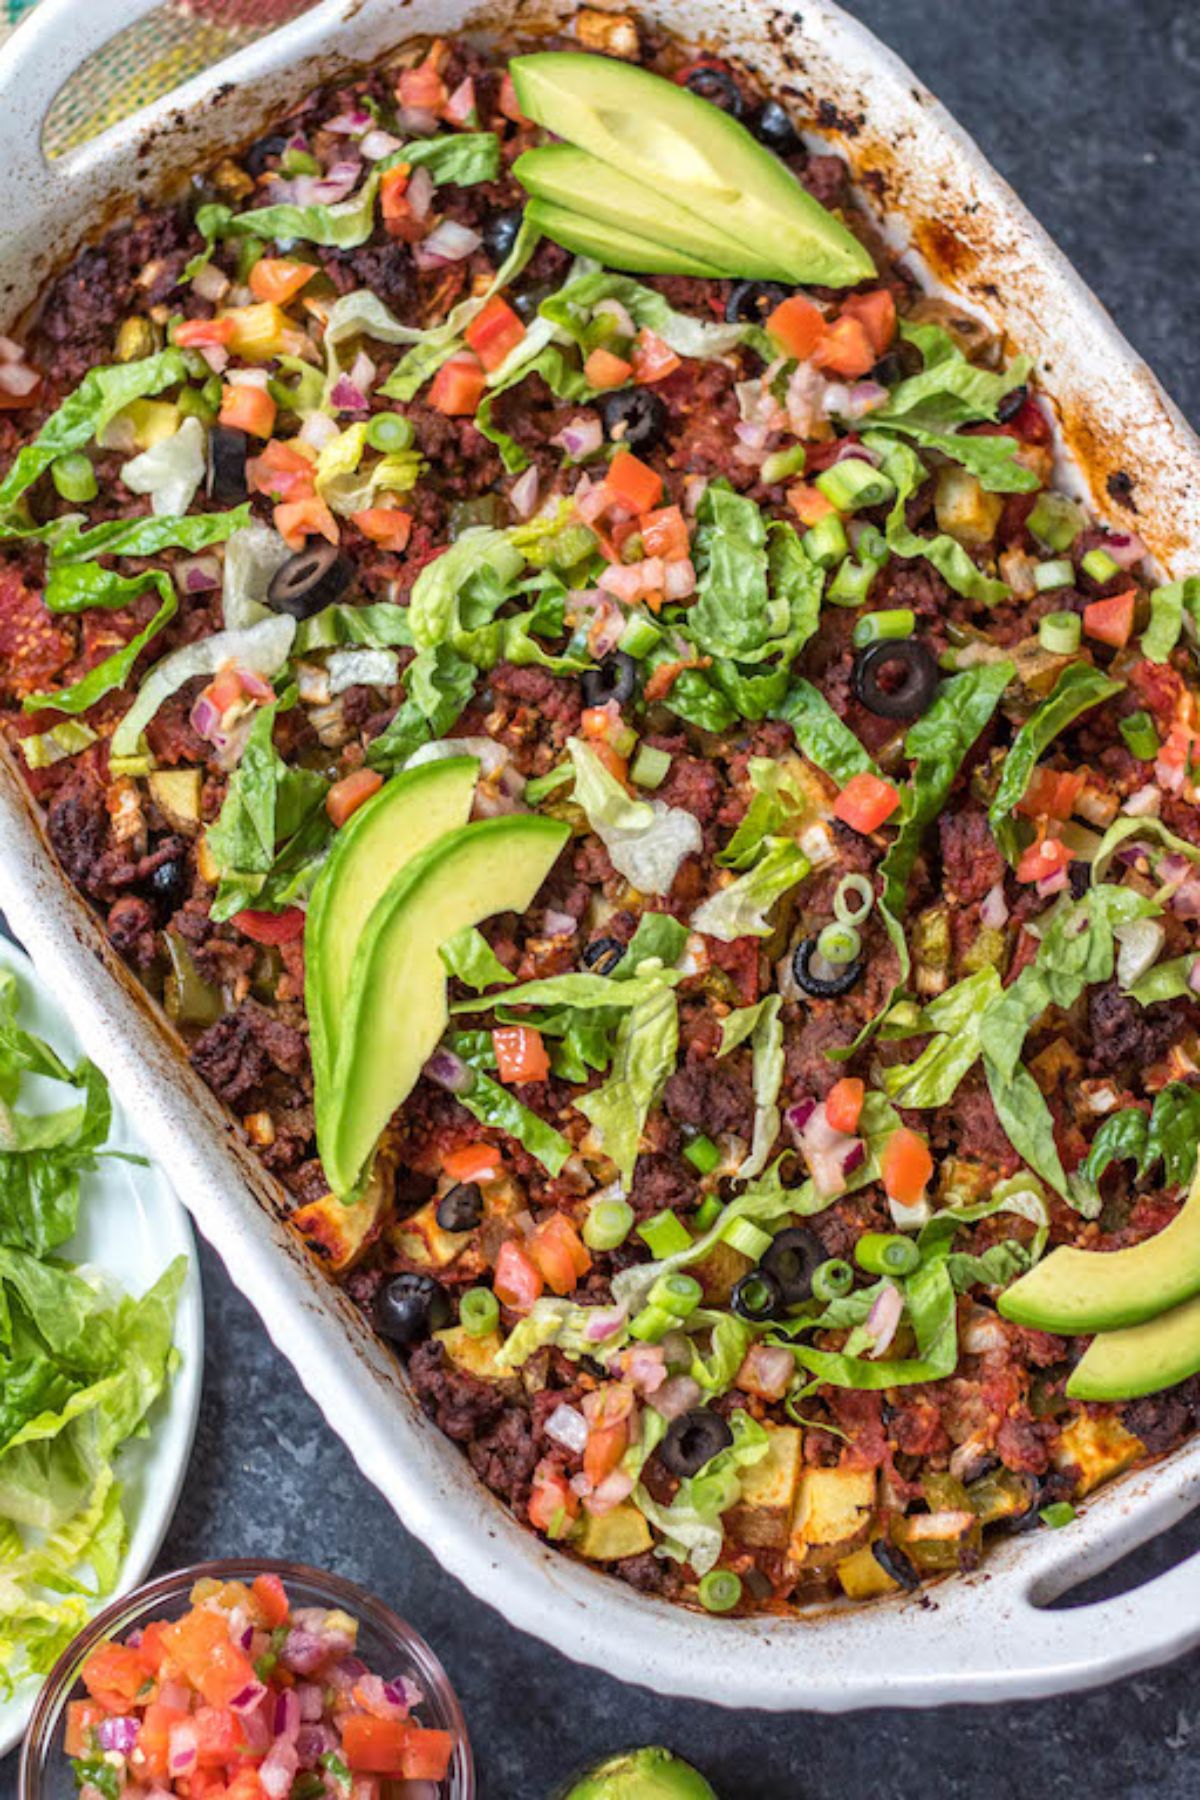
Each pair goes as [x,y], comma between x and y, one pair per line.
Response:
[176,793]
[719,1272]
[763,1514]
[833,1512]
[1099,1447]
[423,1241]
[863,1577]
[477,1355]
[964,510]
[338,1233]
[613,33]
[613,1535]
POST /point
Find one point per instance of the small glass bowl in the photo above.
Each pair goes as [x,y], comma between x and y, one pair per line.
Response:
[386,1644]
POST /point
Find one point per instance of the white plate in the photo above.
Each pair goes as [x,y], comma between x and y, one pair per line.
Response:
[132,1225]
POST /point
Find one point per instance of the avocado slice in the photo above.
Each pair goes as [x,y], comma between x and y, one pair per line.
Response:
[408,814]
[1141,1359]
[395,1007]
[611,245]
[698,157]
[1096,1290]
[650,1774]
[569,177]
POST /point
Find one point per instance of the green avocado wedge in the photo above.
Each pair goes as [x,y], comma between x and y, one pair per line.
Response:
[410,812]
[650,1774]
[1096,1290]
[696,156]
[611,245]
[395,1009]
[1141,1359]
[565,176]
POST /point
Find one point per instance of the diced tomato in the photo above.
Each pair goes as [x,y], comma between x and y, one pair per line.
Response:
[1111,621]
[374,1746]
[665,534]
[205,1784]
[113,1675]
[844,1103]
[608,754]
[1051,794]
[472,1162]
[82,1718]
[462,108]
[1028,423]
[268,927]
[427,1754]
[154,1737]
[604,370]
[225,689]
[422,89]
[347,795]
[517,1281]
[846,349]
[298,520]
[278,278]
[510,106]
[219,1736]
[246,1785]
[1043,859]
[198,334]
[604,1449]
[201,1646]
[797,326]
[653,360]
[633,483]
[281,472]
[905,1167]
[865,802]
[520,1053]
[399,219]
[494,332]
[248,409]
[552,1505]
[152,1650]
[808,503]
[388,526]
[270,1596]
[560,1253]
[458,386]
[596,721]
[876,313]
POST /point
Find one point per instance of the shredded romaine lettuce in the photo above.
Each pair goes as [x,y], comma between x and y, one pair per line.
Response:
[116,669]
[741,909]
[761,1023]
[643,1058]
[646,839]
[262,647]
[171,470]
[1077,690]
[470,959]
[267,803]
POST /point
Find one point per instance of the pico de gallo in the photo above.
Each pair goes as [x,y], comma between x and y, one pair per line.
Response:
[248,1698]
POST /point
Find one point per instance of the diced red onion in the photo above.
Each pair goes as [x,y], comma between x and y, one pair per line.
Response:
[693,492]
[287,1714]
[604,1322]
[183,1745]
[256,1731]
[175,1694]
[1052,884]
[460,107]
[420,191]
[450,1072]
[612,1490]
[312,1701]
[362,372]
[679,579]
[852,451]
[580,1484]
[303,1652]
[607,628]
[415,121]
[317,429]
[448,242]
[676,1395]
[805,399]
[1144,803]
[884,1317]
[994,910]
[855,1157]
[18,379]
[613,309]
[277,1771]
[256,685]
[831,1155]
[646,1366]
[628,581]
[559,924]
[211,283]
[313,1742]
[351,123]
[197,574]
[581,437]
[371,1693]
[493,803]
[798,1116]
[1173,869]
[250,1697]
[249,378]
[345,1672]
[591,501]
[1126,548]
[334,185]
[216,356]
[752,437]
[1185,901]
[345,397]
[767,1370]
[205,719]
[118,1734]
[406,1693]
[567,1426]
[523,495]
[865,397]
[378,143]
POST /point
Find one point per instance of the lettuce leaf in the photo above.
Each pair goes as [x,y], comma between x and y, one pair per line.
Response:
[561,374]
[457,597]
[691,1525]
[267,803]
[821,735]
[262,647]
[494,1105]
[470,959]
[1168,607]
[956,1018]
[949,388]
[571,309]
[107,590]
[646,839]
[762,1024]
[439,684]
[146,537]
[643,1058]
[380,625]
[1170,1133]
[905,469]
[741,909]
[171,470]
[1078,688]
[992,460]
[254,554]
[931,1308]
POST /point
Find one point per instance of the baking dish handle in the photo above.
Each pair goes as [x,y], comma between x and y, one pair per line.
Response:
[1107,1638]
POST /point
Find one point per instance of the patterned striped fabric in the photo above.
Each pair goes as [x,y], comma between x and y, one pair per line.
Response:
[173,42]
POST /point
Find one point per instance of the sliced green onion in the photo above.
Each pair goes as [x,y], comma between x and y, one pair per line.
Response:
[849,888]
[389,431]
[1057,1514]
[639,637]
[832,1280]
[1056,574]
[750,1239]
[872,545]
[542,786]
[851,583]
[897,622]
[250,250]
[47,747]
[703,1154]
[826,543]
[782,463]
[1060,633]
[650,767]
[1100,565]
[298,162]
[74,477]
[854,483]
[1056,521]
[839,944]
[210,393]
[720,1590]
[707,1213]
[676,1293]
[193,405]
[478,1311]
[1140,735]
[886,1253]
[664,1235]
[609,1223]
[652,1324]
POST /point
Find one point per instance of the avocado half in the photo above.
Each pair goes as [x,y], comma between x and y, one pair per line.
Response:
[649,1774]
[1141,1359]
[705,170]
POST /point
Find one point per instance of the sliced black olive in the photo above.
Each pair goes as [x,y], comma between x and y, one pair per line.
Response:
[718,87]
[615,679]
[693,1439]
[888,370]
[1079,874]
[260,152]
[893,1562]
[461,1208]
[757,1296]
[750,302]
[814,981]
[773,127]
[525,301]
[227,465]
[315,577]
[895,678]
[500,234]
[756,1583]
[635,417]
[603,954]
[410,1306]
[1012,403]
[168,885]
[792,1259]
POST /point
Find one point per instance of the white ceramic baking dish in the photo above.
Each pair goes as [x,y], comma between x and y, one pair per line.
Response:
[984,1637]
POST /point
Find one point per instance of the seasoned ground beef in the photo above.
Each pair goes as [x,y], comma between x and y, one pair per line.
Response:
[239,1051]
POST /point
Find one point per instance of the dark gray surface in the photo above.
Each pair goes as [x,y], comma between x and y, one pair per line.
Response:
[1090,111]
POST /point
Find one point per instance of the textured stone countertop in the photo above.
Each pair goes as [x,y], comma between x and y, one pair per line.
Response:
[1090,112]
